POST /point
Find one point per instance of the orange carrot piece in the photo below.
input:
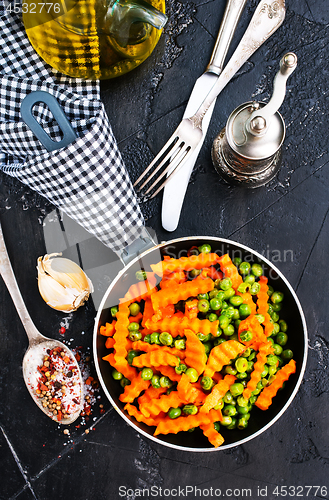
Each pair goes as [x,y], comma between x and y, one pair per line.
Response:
[191,308]
[156,406]
[136,319]
[217,393]
[221,355]
[164,312]
[262,305]
[255,375]
[122,342]
[132,391]
[185,263]
[177,324]
[230,270]
[188,392]
[168,425]
[195,352]
[148,311]
[264,400]
[109,344]
[252,324]
[133,412]
[213,436]
[172,278]
[174,294]
[212,273]
[247,299]
[141,290]
[108,330]
[150,394]
[127,371]
[169,371]
[155,359]
[140,345]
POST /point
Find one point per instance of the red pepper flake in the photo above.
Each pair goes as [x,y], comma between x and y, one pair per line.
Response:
[89,380]
[62,330]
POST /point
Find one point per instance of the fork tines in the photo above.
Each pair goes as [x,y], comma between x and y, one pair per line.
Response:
[167,161]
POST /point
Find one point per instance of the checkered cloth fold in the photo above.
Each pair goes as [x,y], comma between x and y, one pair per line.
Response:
[87,179]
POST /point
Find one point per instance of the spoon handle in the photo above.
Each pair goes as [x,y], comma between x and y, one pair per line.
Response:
[8,277]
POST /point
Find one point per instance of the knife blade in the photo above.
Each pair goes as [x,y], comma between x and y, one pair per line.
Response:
[175,189]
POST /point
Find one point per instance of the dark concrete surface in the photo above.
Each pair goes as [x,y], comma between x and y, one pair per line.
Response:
[287,221]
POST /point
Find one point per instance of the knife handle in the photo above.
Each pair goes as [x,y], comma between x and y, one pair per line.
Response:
[228,25]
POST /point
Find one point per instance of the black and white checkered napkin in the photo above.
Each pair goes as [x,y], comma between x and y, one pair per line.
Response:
[87,179]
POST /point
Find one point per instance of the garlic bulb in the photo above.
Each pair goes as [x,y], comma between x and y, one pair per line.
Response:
[62,283]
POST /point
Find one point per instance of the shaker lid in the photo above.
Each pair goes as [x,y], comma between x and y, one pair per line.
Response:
[254,139]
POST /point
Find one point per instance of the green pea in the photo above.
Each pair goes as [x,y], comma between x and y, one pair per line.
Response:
[224,321]
[275,317]
[174,413]
[229,330]
[131,355]
[281,338]
[228,398]
[216,426]
[134,309]
[242,401]
[245,336]
[243,410]
[229,312]
[271,340]
[226,421]
[264,372]
[242,375]
[207,347]
[181,368]
[242,423]
[201,296]
[250,279]
[155,381]
[277,307]
[233,424]
[277,297]
[260,318]
[135,335]
[244,310]
[117,375]
[219,405]
[155,338]
[252,400]
[244,267]
[270,309]
[229,411]
[255,288]
[190,409]
[236,314]
[147,374]
[221,295]
[225,284]
[270,290]
[247,352]
[194,273]
[213,293]
[207,383]
[229,370]
[218,341]
[243,287]
[272,359]
[215,304]
[241,364]
[287,354]
[205,248]
[272,370]
[237,323]
[165,338]
[203,337]
[133,326]
[236,389]
[114,311]
[212,317]
[276,328]
[257,270]
[250,367]
[192,374]
[141,275]
[229,293]
[283,325]
[252,355]
[236,300]
[237,261]
[124,381]
[180,344]
[165,382]
[224,305]
[260,386]
[147,338]
[277,349]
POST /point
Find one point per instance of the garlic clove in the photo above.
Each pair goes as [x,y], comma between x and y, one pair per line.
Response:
[63,285]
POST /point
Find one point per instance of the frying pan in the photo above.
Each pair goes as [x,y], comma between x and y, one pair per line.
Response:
[291,312]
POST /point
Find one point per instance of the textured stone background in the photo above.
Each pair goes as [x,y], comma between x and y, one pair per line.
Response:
[37,461]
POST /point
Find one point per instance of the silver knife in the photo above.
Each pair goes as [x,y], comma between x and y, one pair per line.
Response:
[175,189]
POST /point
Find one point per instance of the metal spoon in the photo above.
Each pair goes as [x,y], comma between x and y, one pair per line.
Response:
[38,343]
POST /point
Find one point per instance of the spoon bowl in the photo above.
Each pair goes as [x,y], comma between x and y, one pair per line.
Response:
[39,347]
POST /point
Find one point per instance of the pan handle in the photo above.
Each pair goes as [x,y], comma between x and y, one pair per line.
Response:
[26,112]
[144,242]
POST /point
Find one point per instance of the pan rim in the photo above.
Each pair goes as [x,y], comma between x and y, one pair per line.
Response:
[302,370]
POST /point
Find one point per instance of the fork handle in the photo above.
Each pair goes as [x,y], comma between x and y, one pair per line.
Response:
[230,19]
[267,18]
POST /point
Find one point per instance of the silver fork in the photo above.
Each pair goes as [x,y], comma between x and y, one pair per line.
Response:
[268,17]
